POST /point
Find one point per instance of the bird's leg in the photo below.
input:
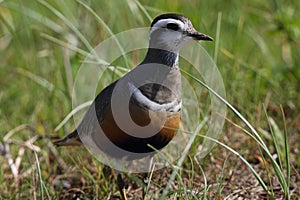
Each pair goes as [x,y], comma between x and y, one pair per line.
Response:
[107,171]
[121,186]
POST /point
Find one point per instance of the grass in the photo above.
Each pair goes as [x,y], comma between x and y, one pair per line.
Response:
[42,45]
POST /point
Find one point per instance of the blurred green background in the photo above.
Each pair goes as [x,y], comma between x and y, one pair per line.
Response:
[258,55]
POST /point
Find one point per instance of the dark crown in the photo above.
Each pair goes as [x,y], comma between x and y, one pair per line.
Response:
[170,16]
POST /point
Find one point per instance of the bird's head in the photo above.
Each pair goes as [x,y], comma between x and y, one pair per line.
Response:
[171,31]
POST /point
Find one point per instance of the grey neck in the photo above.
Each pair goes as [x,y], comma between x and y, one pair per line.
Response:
[161,56]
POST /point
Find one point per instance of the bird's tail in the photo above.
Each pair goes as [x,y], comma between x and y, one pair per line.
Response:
[70,140]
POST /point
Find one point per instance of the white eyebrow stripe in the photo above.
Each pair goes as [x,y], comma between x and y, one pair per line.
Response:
[145,102]
[163,23]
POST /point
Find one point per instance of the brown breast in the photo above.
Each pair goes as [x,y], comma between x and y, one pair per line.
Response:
[133,144]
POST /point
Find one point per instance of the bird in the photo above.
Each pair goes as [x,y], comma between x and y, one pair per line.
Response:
[140,112]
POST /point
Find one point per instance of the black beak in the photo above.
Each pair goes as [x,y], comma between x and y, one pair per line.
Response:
[200,36]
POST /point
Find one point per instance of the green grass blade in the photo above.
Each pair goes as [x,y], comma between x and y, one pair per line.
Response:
[228,105]
[38,79]
[217,37]
[181,159]
[205,189]
[41,185]
[74,111]
[258,178]
[287,152]
[221,180]
[274,139]
[107,29]
[71,26]
[36,16]
[143,10]
[67,45]
[275,165]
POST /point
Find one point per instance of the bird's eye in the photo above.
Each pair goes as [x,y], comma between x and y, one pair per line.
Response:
[172,26]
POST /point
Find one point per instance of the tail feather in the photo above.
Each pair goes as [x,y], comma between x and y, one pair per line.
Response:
[70,140]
